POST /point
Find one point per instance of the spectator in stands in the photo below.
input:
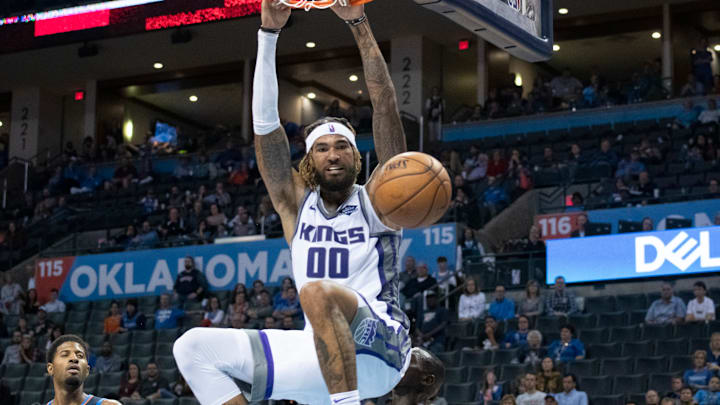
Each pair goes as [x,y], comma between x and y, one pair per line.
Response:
[270,323]
[568,348]
[132,319]
[652,398]
[228,157]
[570,395]
[621,192]
[692,88]
[420,283]
[153,385]
[491,336]
[630,166]
[547,162]
[711,395]
[242,224]
[124,240]
[702,308]
[90,182]
[471,305]
[216,221]
[183,170]
[289,306]
[580,223]
[605,156]
[676,385]
[220,197]
[408,273]
[647,224]
[713,352]
[54,304]
[12,352]
[190,283]
[430,331]
[11,295]
[644,188]
[180,388]
[686,397]
[107,361]
[113,322]
[238,321]
[667,309]
[491,390]
[435,110]
[560,302]
[565,90]
[688,116]
[508,399]
[498,165]
[146,239]
[42,325]
[698,377]
[531,396]
[532,352]
[711,114]
[668,401]
[203,234]
[239,305]
[468,247]
[257,290]
[167,317]
[150,203]
[195,215]
[531,304]
[214,315]
[518,175]
[502,308]
[204,169]
[175,226]
[706,147]
[261,308]
[549,378]
[287,282]
[577,203]
[447,278]
[267,218]
[22,327]
[518,337]
[124,174]
[495,198]
[462,207]
[576,158]
[701,63]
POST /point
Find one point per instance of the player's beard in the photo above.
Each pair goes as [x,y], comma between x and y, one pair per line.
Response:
[337,184]
[73,382]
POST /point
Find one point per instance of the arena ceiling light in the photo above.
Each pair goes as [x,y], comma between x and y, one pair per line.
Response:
[312,96]
[563,11]
[360,92]
[717,47]
[193,98]
[1,123]
[310,44]
[656,35]
[556,47]
[353,78]
[158,65]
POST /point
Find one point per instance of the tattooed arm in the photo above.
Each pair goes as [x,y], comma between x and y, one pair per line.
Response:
[388,131]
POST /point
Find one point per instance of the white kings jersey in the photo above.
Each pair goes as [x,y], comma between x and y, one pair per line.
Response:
[352,248]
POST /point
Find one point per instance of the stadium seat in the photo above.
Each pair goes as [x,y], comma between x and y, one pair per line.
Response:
[16,370]
[623,334]
[91,382]
[141,362]
[75,328]
[616,366]
[163,349]
[630,383]
[637,316]
[30,397]
[464,342]
[691,330]
[34,384]
[598,305]
[617,399]
[122,350]
[594,336]
[476,358]
[660,382]
[188,401]
[14,384]
[647,365]
[504,356]
[165,362]
[80,306]
[98,315]
[583,321]
[612,319]
[596,386]
[120,339]
[170,374]
[137,402]
[671,347]
[583,368]
[37,369]
[477,373]
[638,348]
[143,336]
[631,302]
[699,344]
[57,318]
[167,335]
[459,329]
[101,306]
[77,316]
[164,401]
[604,350]
[509,372]
[547,324]
[142,350]
[450,358]
[678,364]
[111,379]
[456,375]
[657,332]
[95,340]
[460,392]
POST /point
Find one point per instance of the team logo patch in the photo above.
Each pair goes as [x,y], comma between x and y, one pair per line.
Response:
[366,332]
[332,128]
[312,208]
[348,209]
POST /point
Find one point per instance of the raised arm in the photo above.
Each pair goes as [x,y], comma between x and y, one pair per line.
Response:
[271,144]
[388,132]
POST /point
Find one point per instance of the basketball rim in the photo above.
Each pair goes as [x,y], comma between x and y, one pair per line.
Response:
[319,4]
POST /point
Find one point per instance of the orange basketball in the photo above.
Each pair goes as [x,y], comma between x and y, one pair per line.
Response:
[411,190]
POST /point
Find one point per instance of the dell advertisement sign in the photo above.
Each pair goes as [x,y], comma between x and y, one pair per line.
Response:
[634,255]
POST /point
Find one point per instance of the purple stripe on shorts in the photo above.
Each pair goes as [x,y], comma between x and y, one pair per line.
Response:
[270,364]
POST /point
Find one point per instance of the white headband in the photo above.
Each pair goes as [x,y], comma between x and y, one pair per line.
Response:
[331,128]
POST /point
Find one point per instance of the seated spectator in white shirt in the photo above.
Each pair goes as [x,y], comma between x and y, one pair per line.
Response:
[214,315]
[701,308]
[446,277]
[531,396]
[712,114]
[11,296]
[54,305]
[12,352]
[570,395]
[472,302]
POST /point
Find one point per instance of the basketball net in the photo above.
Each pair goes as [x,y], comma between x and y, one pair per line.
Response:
[310,4]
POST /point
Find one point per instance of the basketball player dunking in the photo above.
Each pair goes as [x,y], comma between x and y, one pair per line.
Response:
[344,255]
[67,364]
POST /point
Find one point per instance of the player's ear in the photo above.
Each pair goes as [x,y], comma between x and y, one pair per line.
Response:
[50,369]
[429,380]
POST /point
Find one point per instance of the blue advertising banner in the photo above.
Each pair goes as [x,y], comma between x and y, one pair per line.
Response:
[702,213]
[151,272]
[634,255]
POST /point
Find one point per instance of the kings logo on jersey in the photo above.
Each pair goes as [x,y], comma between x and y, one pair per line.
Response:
[365,333]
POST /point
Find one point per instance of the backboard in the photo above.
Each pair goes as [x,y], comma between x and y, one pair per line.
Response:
[524,28]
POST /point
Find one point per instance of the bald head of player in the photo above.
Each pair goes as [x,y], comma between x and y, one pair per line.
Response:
[332,161]
[421,381]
